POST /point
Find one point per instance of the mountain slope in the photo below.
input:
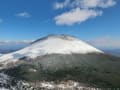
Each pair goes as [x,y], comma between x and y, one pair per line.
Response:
[54,44]
[94,69]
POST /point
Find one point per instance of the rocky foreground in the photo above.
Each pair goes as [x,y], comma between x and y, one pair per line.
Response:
[9,83]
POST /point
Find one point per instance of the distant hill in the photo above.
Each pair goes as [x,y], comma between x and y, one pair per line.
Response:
[115,52]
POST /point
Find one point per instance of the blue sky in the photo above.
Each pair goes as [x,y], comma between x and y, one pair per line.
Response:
[32,19]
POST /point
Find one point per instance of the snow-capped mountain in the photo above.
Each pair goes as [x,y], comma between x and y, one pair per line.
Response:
[52,44]
[61,57]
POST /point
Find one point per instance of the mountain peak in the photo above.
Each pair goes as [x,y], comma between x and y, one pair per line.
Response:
[52,44]
[60,36]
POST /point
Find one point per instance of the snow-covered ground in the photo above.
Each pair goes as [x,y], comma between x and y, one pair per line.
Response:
[9,83]
[63,85]
[56,44]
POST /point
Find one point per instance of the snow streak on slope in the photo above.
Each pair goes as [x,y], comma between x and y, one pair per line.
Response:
[54,44]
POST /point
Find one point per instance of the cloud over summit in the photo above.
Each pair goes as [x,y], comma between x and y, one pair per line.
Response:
[80,10]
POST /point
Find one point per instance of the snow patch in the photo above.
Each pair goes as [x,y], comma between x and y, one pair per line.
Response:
[63,85]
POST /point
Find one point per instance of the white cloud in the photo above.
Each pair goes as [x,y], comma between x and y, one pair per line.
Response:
[76,16]
[85,3]
[107,3]
[61,5]
[24,14]
[80,10]
[93,3]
